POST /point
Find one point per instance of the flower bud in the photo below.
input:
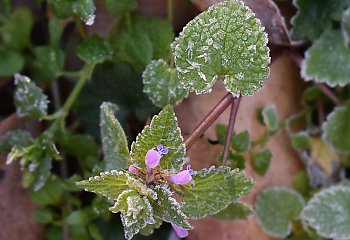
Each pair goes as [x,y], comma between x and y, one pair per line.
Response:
[181,178]
[133,169]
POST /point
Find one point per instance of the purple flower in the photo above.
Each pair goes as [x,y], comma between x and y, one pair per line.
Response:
[182,233]
[162,150]
[133,169]
[152,159]
[182,177]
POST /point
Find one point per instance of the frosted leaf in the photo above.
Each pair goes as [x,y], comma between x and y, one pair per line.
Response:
[327,60]
[329,212]
[94,50]
[313,17]
[336,130]
[141,188]
[168,209]
[108,184]
[85,9]
[276,208]
[234,211]
[136,212]
[222,184]
[17,138]
[114,143]
[226,42]
[29,99]
[162,130]
[345,27]
[162,84]
[149,229]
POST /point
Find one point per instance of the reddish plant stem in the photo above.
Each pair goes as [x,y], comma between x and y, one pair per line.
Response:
[217,110]
[328,93]
[230,127]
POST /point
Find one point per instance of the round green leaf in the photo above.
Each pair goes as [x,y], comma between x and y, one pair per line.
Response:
[328,60]
[11,62]
[94,50]
[275,208]
[336,131]
[329,212]
[226,42]
[162,85]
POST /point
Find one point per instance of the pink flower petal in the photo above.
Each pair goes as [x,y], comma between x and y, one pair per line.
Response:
[181,178]
[133,169]
[152,158]
[182,233]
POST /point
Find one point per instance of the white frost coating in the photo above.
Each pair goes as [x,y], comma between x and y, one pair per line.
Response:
[90,20]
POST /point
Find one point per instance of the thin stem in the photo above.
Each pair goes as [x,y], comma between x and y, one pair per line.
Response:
[80,28]
[328,93]
[170,11]
[231,124]
[85,75]
[218,109]
[56,95]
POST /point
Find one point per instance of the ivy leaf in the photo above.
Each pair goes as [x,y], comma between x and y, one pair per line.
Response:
[269,117]
[49,63]
[108,184]
[15,32]
[94,50]
[214,46]
[222,183]
[336,130]
[162,130]
[136,212]
[234,211]
[261,161]
[120,7]
[300,140]
[313,17]
[327,60]
[329,212]
[29,99]
[11,62]
[114,143]
[345,27]
[168,209]
[275,208]
[162,85]
[241,141]
[18,138]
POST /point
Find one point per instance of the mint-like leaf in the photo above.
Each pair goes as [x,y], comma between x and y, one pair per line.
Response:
[329,212]
[276,208]
[261,161]
[114,143]
[162,130]
[109,184]
[18,138]
[168,209]
[162,85]
[226,42]
[336,131]
[136,212]
[327,64]
[269,117]
[29,99]
[313,17]
[94,50]
[234,211]
[223,184]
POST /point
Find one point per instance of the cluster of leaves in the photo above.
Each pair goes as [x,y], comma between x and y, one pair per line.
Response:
[242,145]
[319,209]
[144,204]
